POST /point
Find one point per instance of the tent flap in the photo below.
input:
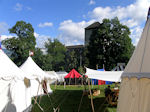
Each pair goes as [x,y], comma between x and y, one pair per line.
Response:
[113,76]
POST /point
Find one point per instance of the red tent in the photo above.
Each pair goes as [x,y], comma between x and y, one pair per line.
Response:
[73,74]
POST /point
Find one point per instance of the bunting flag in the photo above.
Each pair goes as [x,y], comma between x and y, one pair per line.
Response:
[31,53]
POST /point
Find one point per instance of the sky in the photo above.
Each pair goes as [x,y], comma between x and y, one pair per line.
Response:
[66,19]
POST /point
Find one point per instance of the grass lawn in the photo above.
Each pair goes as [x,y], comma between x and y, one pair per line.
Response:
[68,100]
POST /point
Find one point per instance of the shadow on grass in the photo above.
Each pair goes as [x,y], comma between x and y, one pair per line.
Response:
[69,101]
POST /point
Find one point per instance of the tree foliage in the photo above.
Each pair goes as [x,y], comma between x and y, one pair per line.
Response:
[57,51]
[76,58]
[44,61]
[71,60]
[109,45]
[22,43]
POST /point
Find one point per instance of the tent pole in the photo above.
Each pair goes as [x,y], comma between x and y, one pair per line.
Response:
[69,81]
[82,80]
[37,93]
[40,97]
[92,82]
[64,84]
[55,84]
[38,104]
[91,96]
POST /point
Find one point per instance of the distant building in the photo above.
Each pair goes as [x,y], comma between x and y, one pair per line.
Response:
[75,47]
[89,30]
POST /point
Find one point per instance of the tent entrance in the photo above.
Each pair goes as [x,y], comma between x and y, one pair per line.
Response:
[44,85]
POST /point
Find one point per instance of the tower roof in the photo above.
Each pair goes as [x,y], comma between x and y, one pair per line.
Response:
[94,25]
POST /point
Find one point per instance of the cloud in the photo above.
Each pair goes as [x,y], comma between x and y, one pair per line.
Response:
[130,23]
[41,39]
[140,7]
[72,32]
[46,24]
[3,37]
[18,7]
[36,34]
[29,8]
[3,27]
[92,2]
[136,34]
[133,15]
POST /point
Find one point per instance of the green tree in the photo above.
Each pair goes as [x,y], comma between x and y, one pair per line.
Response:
[71,60]
[75,58]
[81,70]
[57,50]
[85,60]
[44,61]
[22,43]
[109,45]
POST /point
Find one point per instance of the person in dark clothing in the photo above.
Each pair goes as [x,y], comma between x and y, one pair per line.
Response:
[107,91]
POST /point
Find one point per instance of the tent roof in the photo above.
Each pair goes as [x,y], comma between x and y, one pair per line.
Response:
[8,68]
[52,74]
[31,68]
[73,74]
[139,63]
[114,76]
[62,73]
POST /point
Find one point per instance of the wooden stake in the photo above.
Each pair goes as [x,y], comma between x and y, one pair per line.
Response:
[69,81]
[37,93]
[92,83]
[75,81]
[64,84]
[55,84]
[91,96]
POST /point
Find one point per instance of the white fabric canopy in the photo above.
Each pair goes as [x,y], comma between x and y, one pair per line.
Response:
[61,75]
[32,69]
[53,76]
[113,76]
[8,68]
[13,93]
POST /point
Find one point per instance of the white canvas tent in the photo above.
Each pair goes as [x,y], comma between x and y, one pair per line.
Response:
[134,93]
[38,75]
[14,95]
[61,75]
[53,75]
[113,76]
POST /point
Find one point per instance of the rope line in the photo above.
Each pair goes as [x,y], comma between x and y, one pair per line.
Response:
[80,102]
[49,97]
[38,105]
[56,102]
[102,105]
